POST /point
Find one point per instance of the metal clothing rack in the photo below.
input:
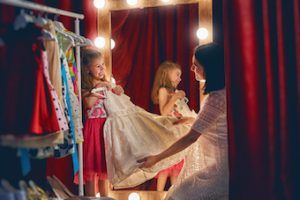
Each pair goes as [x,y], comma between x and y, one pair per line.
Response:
[46,9]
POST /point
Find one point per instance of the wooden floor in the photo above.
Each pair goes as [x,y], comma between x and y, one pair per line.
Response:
[144,195]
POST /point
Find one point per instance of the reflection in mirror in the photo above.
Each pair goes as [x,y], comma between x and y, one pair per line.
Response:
[144,39]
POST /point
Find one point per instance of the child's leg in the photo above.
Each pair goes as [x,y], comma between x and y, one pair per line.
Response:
[103,187]
[90,188]
[173,179]
[161,182]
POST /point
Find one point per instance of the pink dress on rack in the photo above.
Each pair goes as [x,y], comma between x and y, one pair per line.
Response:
[94,163]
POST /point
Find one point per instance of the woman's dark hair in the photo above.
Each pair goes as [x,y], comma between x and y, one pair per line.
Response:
[211,57]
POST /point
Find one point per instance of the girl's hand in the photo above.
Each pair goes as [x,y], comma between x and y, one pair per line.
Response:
[177,114]
[185,120]
[104,84]
[148,161]
[118,90]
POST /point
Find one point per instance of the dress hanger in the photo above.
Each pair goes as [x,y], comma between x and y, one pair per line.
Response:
[47,35]
[22,20]
[59,28]
[40,21]
[78,40]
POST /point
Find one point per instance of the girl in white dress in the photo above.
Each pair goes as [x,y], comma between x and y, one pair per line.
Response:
[210,181]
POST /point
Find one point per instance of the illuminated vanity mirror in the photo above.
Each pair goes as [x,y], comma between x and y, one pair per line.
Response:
[146,34]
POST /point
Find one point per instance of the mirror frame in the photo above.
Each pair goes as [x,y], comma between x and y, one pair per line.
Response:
[104,20]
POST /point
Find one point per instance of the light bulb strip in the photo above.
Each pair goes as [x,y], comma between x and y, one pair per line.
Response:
[123,5]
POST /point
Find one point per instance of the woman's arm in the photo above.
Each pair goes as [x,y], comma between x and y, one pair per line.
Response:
[212,109]
[178,146]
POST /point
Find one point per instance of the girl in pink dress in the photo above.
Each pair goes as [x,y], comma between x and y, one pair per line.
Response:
[94,163]
[166,95]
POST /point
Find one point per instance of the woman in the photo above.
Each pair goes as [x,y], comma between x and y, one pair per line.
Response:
[210,180]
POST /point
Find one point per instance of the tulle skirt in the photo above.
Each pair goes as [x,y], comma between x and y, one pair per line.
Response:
[94,161]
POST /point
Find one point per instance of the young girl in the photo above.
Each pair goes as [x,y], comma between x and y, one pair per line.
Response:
[93,77]
[166,95]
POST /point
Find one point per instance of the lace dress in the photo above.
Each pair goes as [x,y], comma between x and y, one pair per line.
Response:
[205,174]
[131,133]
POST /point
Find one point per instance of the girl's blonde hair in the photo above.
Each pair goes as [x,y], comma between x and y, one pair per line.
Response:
[162,79]
[87,56]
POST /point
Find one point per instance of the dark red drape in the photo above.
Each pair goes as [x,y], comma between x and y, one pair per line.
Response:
[262,55]
[147,37]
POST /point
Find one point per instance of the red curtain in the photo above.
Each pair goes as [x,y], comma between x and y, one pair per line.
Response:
[262,55]
[147,37]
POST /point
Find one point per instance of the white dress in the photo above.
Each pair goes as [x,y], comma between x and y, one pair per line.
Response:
[131,133]
[205,174]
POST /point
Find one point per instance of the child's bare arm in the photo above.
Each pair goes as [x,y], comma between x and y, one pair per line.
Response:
[166,103]
[89,98]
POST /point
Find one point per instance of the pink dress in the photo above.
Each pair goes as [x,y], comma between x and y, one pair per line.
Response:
[94,162]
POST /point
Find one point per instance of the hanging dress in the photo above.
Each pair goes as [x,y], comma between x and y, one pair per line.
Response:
[26,106]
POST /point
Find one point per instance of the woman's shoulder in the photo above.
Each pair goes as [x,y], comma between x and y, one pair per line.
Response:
[217,98]
[218,93]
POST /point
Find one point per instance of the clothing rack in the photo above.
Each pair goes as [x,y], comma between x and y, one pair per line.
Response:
[41,8]
[46,9]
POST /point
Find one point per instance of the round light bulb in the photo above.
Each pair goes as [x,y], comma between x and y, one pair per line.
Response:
[99,42]
[132,2]
[202,33]
[134,196]
[99,3]
[112,44]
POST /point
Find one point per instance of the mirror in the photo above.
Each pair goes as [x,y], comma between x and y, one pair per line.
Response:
[146,35]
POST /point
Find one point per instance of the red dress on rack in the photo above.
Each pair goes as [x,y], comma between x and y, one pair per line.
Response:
[26,105]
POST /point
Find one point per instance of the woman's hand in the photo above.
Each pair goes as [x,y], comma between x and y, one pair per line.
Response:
[148,161]
[118,90]
[185,120]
